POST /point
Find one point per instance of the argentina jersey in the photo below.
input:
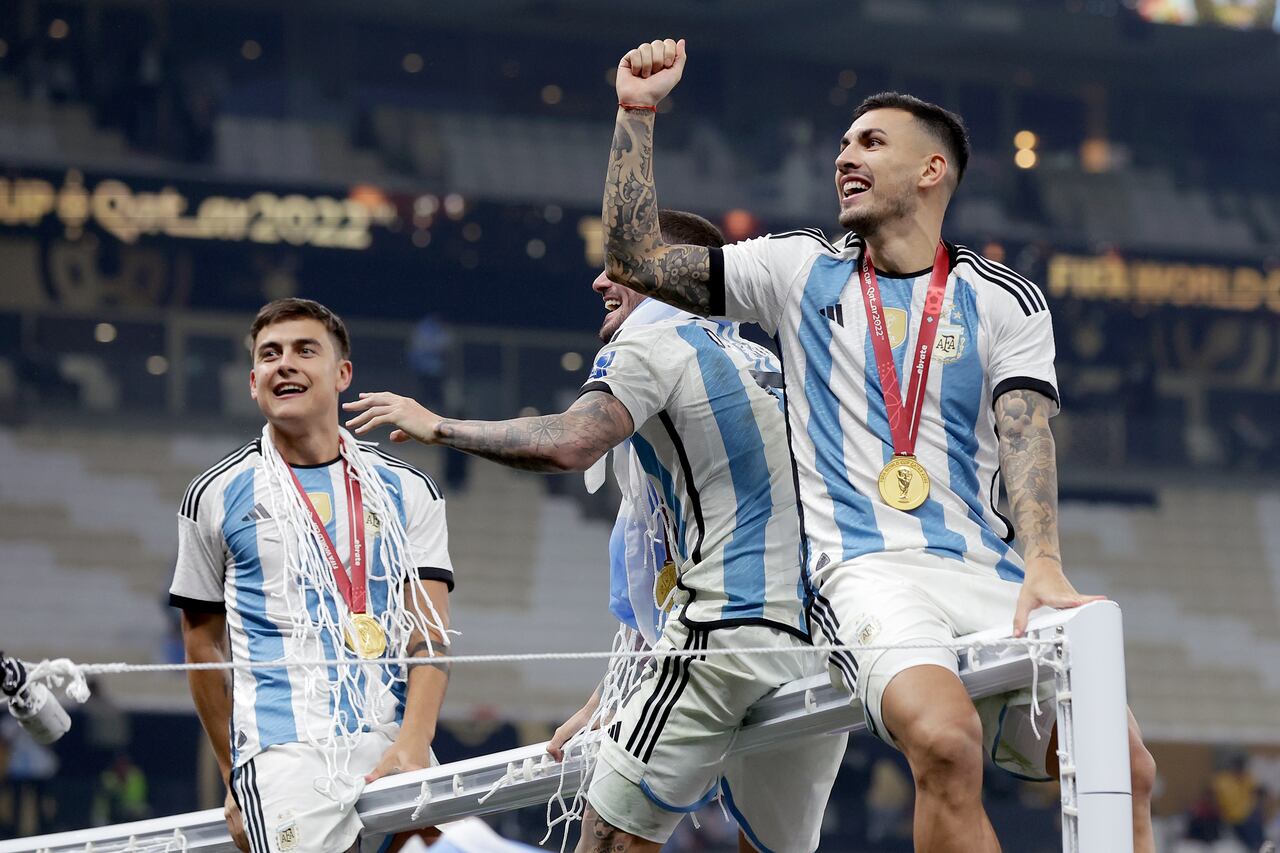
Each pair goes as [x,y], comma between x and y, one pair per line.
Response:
[994,335]
[231,560]
[710,437]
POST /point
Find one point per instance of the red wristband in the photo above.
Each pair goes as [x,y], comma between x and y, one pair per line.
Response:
[653,108]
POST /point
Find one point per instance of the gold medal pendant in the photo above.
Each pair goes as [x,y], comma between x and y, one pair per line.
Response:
[904,484]
[365,636]
[663,584]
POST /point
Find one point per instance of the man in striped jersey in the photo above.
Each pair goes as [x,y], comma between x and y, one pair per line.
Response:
[296,745]
[702,409]
[918,371]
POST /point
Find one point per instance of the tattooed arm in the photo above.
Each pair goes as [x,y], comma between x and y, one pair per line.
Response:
[635,254]
[1030,469]
[426,687]
[570,441]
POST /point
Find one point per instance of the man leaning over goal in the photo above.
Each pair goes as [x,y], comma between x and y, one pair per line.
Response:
[305,544]
[928,379]
[702,408]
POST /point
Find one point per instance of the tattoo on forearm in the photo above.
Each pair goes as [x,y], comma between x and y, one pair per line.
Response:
[1029,466]
[634,250]
[434,651]
[548,443]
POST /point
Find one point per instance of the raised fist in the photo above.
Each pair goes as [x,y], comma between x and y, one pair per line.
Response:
[648,73]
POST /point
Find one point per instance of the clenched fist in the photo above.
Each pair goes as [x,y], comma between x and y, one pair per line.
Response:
[647,74]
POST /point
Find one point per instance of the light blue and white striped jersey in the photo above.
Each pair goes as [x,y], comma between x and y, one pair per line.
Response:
[994,336]
[710,436]
[230,559]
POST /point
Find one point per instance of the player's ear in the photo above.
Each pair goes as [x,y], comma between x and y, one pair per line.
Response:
[253,384]
[345,372]
[934,171]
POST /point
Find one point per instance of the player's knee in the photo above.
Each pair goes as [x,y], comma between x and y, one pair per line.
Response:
[1142,769]
[945,749]
[598,836]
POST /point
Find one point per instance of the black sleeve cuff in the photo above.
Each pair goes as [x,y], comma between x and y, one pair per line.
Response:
[197,605]
[597,385]
[1025,383]
[434,573]
[715,287]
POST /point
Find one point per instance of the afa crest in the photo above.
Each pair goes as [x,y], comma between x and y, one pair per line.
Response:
[287,836]
[601,368]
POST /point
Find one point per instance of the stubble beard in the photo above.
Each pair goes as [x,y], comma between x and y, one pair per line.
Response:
[867,222]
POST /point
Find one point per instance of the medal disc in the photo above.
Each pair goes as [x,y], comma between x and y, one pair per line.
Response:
[365,636]
[904,484]
[663,584]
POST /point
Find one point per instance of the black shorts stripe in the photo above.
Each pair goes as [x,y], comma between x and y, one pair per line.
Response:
[256,806]
[666,682]
[701,645]
[250,807]
[400,463]
[826,618]
[191,500]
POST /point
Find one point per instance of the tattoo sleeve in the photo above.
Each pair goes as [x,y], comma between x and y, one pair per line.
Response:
[634,252]
[570,441]
[1029,464]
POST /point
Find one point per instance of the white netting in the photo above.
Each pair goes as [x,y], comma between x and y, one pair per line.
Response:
[319,617]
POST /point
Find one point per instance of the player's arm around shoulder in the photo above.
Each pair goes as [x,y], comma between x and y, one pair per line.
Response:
[635,254]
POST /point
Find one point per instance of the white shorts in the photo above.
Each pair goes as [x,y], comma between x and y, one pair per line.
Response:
[665,754]
[289,803]
[881,600]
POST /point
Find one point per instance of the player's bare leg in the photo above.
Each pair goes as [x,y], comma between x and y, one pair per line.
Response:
[1142,781]
[744,846]
[931,717]
[599,836]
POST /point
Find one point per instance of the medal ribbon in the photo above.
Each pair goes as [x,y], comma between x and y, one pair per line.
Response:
[352,586]
[904,430]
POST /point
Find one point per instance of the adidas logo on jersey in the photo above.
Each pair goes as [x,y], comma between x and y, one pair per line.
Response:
[835,313]
[258,513]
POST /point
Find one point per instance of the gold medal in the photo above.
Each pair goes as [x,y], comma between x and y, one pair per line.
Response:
[663,584]
[365,636]
[904,484]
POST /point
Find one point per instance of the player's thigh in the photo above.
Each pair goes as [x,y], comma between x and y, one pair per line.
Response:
[286,806]
[779,796]
[663,756]
[890,624]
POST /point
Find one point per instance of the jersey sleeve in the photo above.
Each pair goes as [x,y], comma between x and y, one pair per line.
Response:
[639,371]
[750,280]
[427,530]
[1022,353]
[199,574]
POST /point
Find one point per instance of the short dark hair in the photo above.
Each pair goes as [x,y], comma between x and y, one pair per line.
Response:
[680,228]
[292,308]
[945,126]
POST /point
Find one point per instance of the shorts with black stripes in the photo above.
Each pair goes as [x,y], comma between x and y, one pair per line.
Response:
[904,599]
[665,753]
[289,804]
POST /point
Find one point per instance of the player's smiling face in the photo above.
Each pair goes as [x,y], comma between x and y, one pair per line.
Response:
[619,302]
[298,373]
[878,169]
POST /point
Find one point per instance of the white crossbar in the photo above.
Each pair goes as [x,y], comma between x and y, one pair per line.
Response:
[1094,696]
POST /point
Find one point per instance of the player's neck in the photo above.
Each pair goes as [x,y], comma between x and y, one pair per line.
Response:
[309,445]
[904,246]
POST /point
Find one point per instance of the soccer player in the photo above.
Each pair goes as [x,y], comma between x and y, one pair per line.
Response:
[920,375]
[306,544]
[703,412]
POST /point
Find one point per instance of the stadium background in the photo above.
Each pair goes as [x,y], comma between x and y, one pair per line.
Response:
[434,172]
